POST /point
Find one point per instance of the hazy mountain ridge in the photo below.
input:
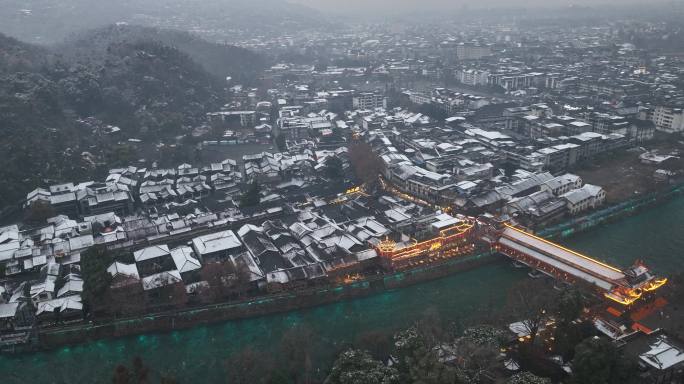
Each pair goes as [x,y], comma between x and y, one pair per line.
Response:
[44,21]
[220,60]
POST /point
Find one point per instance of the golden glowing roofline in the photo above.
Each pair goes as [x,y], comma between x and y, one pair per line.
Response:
[622,300]
[654,284]
[434,243]
[563,248]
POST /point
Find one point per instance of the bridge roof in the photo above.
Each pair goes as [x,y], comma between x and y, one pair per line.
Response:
[567,268]
[564,255]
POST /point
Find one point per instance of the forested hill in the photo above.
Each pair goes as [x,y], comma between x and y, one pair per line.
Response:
[218,59]
[55,102]
[17,56]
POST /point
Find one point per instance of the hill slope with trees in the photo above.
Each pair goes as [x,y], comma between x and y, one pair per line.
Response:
[55,101]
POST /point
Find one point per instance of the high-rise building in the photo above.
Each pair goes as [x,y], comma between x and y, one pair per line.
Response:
[369,100]
[668,119]
[472,76]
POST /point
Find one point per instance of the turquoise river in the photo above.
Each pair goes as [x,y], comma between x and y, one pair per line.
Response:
[656,236]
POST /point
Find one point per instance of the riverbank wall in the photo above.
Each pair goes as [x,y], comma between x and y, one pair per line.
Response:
[260,306]
[611,214]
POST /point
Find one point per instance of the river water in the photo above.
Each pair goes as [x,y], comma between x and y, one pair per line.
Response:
[656,236]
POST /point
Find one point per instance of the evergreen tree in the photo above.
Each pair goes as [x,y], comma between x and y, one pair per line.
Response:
[598,361]
[96,279]
[334,168]
[527,378]
[418,361]
[251,197]
[357,367]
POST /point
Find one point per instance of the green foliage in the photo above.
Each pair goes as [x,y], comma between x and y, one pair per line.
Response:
[568,335]
[251,197]
[358,367]
[334,168]
[527,378]
[569,305]
[121,154]
[377,342]
[366,164]
[16,56]
[220,60]
[96,279]
[418,362]
[39,212]
[598,361]
[486,335]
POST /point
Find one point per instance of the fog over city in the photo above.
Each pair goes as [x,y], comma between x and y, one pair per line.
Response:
[342,191]
[441,5]
[43,22]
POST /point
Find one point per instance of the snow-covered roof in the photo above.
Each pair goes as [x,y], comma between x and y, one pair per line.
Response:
[73,286]
[151,252]
[81,242]
[184,258]
[216,242]
[8,310]
[663,354]
[161,279]
[62,304]
[118,268]
[566,261]
[587,191]
[444,220]
[519,328]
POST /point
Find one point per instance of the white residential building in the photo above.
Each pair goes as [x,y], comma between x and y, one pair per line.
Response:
[472,77]
[581,199]
[369,100]
[668,119]
[562,184]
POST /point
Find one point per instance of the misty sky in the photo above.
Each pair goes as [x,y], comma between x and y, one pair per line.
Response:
[404,5]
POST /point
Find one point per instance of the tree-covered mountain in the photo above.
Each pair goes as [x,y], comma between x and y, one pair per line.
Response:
[17,56]
[55,101]
[221,60]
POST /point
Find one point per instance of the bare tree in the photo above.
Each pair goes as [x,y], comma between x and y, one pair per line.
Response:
[476,360]
[248,366]
[378,343]
[297,350]
[127,299]
[178,294]
[219,276]
[531,302]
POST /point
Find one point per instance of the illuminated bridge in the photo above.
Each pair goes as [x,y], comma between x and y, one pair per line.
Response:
[624,287]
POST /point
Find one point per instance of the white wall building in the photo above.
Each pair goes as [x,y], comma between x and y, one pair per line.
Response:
[369,100]
[668,119]
[588,197]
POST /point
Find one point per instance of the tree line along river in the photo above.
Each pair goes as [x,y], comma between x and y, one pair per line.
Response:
[655,236]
